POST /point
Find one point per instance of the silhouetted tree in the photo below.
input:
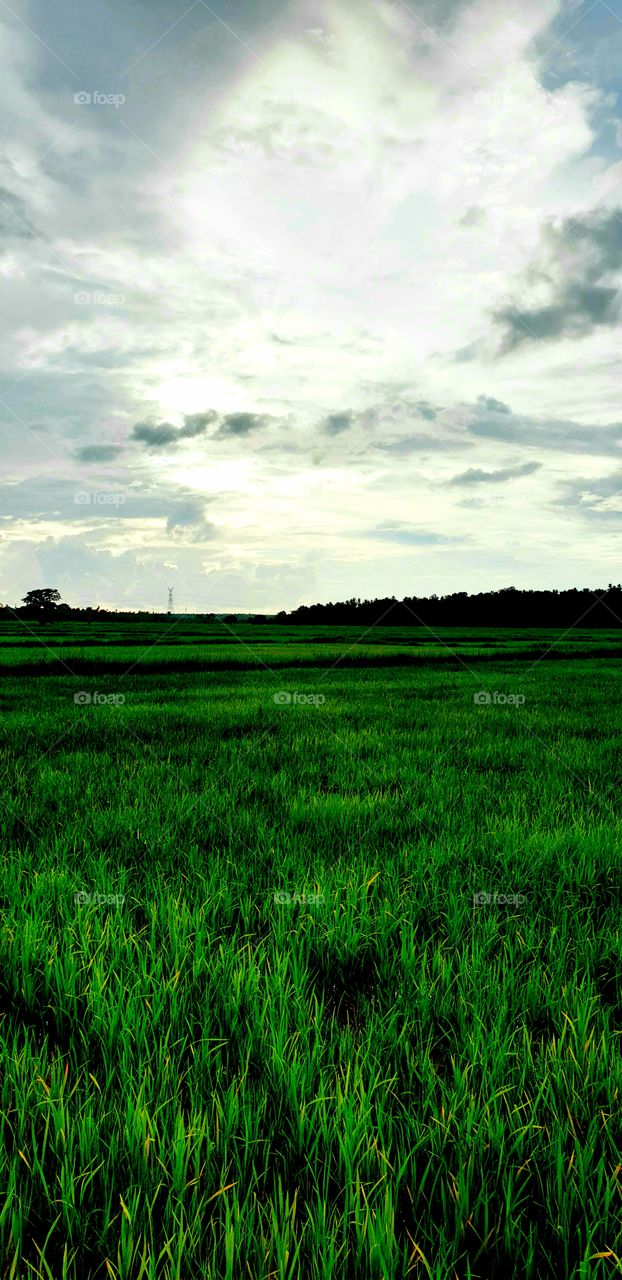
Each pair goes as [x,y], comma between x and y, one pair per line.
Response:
[42,604]
[44,598]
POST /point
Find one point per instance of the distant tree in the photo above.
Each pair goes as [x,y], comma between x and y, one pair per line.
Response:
[42,603]
[43,598]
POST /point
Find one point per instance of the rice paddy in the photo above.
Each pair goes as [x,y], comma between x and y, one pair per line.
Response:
[310,953]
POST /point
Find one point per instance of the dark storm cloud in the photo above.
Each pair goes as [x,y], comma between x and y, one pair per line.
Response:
[580,309]
[335,423]
[241,424]
[473,476]
[579,258]
[156,435]
[161,435]
[600,231]
[98,452]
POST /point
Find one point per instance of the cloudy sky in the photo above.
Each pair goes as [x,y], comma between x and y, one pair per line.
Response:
[307,299]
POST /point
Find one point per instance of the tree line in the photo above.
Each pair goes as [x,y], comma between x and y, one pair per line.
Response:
[507,607]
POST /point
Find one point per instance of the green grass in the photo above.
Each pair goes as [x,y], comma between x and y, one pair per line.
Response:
[382,1081]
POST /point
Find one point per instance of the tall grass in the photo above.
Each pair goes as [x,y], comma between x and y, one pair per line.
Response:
[295,1046]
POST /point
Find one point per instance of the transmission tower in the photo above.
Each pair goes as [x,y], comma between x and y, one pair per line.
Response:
[170,600]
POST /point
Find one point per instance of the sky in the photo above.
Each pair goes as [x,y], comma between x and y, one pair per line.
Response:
[309,299]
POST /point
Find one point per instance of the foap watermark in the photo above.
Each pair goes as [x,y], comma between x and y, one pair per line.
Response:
[285,699]
[98,99]
[483,899]
[97,298]
[483,699]
[84,699]
[98,498]
[83,899]
[507,302]
[308,899]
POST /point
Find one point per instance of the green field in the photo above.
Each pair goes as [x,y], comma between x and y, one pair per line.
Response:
[289,1041]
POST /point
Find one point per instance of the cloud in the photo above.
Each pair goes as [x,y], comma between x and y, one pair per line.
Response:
[241,424]
[495,406]
[408,535]
[14,220]
[580,309]
[187,521]
[156,435]
[474,217]
[580,255]
[460,426]
[400,410]
[426,410]
[161,435]
[402,446]
[98,452]
[596,498]
[475,476]
[196,423]
[51,500]
[548,433]
[335,423]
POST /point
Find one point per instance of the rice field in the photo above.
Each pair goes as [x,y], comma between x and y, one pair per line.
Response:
[310,953]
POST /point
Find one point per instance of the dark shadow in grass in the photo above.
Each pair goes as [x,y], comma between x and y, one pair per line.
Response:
[443,1041]
[603,891]
[541,1028]
[38,1019]
[59,1029]
[239,922]
[487,1262]
[141,920]
[557,1253]
[608,984]
[345,986]
[42,1230]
